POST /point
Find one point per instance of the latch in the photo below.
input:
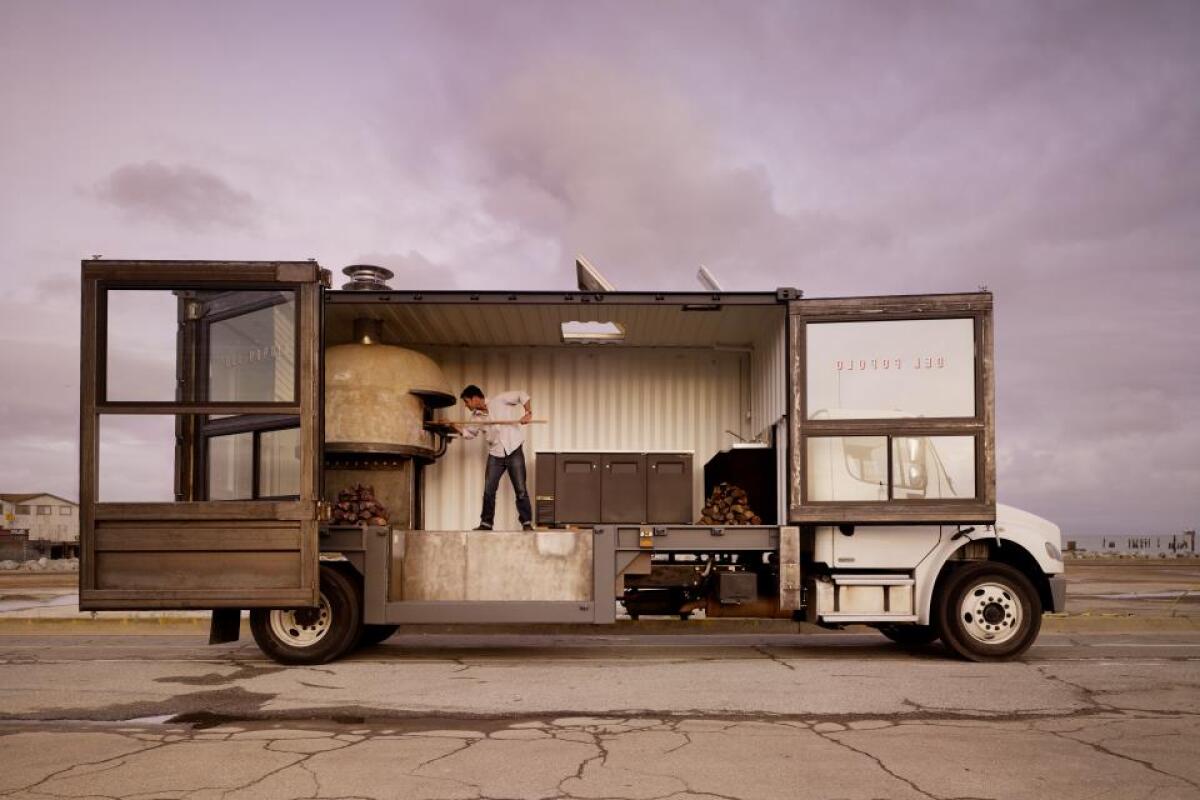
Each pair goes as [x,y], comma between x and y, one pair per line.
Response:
[646,537]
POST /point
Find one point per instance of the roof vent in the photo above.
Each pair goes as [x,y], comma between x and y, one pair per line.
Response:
[367,278]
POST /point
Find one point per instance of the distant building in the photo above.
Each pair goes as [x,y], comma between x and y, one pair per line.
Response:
[50,523]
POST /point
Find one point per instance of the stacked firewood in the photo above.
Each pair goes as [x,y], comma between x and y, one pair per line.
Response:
[357,506]
[728,505]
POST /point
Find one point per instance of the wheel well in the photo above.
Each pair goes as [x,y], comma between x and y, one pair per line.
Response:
[344,564]
[1006,552]
[1019,558]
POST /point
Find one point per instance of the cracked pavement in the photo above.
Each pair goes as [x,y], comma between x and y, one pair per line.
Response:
[742,717]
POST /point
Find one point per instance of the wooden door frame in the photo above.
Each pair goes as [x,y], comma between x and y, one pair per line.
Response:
[981,426]
[98,277]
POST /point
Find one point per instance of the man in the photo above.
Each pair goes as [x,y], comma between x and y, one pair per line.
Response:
[505,452]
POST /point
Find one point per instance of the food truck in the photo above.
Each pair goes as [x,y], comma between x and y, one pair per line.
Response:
[253,439]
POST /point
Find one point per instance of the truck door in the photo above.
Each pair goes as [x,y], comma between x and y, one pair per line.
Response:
[200,429]
[893,410]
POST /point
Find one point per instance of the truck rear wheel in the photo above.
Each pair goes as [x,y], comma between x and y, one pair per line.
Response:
[312,635]
[988,611]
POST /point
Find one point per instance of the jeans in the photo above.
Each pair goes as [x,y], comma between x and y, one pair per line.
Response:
[514,464]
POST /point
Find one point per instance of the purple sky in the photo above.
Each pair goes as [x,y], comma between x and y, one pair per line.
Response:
[1046,150]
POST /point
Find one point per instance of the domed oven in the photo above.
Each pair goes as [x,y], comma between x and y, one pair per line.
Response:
[378,400]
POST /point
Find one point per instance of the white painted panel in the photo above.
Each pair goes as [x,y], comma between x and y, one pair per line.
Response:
[897,547]
[768,379]
[596,398]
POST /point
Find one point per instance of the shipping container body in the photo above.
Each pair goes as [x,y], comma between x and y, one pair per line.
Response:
[857,433]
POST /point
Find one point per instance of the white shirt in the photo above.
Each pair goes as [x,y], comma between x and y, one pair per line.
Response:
[501,439]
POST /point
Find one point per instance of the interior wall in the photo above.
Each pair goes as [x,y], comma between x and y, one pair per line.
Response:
[596,398]
[768,380]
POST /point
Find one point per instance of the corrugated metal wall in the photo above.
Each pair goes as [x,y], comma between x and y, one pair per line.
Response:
[596,398]
[768,380]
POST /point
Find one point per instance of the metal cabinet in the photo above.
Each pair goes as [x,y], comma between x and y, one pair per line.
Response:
[604,488]
[669,488]
[623,487]
[577,486]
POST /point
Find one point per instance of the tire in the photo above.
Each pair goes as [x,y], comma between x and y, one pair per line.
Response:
[312,636]
[910,635]
[375,634]
[988,611]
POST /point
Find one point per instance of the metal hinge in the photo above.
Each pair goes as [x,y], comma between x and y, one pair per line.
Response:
[324,511]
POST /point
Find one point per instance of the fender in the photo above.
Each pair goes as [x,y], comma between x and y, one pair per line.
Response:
[1038,538]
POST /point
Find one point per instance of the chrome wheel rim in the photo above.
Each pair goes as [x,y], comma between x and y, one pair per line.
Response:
[301,627]
[991,612]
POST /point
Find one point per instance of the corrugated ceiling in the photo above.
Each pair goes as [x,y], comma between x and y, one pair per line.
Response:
[524,324]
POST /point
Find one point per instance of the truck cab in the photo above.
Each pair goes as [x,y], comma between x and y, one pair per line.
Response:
[254,440]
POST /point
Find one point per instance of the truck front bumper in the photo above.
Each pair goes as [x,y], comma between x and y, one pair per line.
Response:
[1058,593]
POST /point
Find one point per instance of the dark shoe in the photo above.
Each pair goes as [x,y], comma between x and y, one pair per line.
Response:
[484,528]
[526,526]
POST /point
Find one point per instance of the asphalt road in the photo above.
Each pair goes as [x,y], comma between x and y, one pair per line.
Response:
[836,715]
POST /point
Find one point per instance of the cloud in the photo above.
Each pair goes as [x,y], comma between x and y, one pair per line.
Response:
[607,162]
[188,197]
[1046,150]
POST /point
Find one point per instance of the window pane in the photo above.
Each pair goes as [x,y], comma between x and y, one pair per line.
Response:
[279,472]
[890,368]
[141,333]
[137,458]
[250,338]
[847,468]
[231,467]
[933,467]
[252,354]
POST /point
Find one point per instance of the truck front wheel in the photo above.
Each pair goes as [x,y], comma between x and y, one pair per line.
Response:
[988,611]
[312,635]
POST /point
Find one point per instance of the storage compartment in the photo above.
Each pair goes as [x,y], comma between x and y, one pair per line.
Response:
[577,482]
[754,469]
[590,488]
[623,488]
[668,488]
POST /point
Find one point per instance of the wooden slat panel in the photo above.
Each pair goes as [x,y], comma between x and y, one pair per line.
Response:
[165,573]
[896,511]
[208,510]
[189,538]
[904,426]
[110,600]
[921,306]
[137,407]
[89,433]
[310,394]
[173,273]
[252,525]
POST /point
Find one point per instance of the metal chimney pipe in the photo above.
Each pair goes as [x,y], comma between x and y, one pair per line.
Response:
[367,278]
[368,331]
